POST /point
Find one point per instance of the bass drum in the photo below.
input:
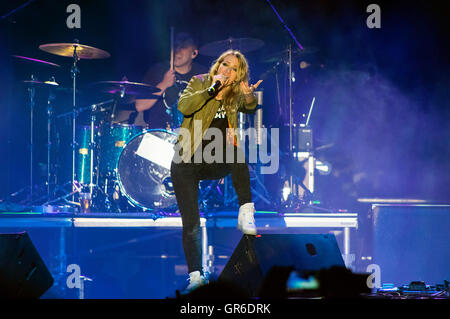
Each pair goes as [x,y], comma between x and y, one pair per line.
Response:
[143,169]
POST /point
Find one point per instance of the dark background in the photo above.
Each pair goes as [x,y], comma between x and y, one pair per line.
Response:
[382,101]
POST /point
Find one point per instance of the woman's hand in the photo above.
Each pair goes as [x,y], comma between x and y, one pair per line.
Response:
[248,90]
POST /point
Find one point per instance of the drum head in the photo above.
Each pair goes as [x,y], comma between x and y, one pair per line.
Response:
[143,169]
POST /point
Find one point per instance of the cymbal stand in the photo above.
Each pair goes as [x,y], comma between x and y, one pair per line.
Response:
[290,74]
[74,70]
[76,186]
[51,97]
[92,143]
[290,105]
[32,92]
[117,98]
[91,150]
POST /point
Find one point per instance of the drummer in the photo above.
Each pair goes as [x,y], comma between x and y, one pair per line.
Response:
[163,113]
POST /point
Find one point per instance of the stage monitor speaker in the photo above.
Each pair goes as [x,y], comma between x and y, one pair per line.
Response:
[254,256]
[23,273]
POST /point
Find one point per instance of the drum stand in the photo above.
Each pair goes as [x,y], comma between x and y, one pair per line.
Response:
[75,185]
[74,70]
[32,92]
[87,198]
[294,201]
[92,146]
[51,97]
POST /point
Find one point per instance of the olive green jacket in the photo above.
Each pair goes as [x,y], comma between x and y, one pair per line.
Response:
[197,105]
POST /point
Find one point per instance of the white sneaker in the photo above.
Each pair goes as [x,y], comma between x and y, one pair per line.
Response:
[195,281]
[246,219]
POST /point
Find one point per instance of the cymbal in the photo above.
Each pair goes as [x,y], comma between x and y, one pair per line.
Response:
[242,44]
[137,90]
[67,50]
[49,84]
[36,60]
[40,83]
[284,54]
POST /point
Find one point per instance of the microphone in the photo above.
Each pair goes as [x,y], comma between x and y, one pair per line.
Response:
[213,88]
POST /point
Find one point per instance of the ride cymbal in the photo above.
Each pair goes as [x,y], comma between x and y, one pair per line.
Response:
[244,45]
[284,54]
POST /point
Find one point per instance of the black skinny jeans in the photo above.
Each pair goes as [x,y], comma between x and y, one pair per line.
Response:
[185,180]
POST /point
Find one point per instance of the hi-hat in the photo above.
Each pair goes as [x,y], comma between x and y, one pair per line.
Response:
[137,90]
[48,84]
[244,45]
[24,58]
[40,83]
[68,50]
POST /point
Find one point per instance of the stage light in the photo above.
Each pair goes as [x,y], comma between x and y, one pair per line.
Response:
[324,168]
[286,192]
[304,65]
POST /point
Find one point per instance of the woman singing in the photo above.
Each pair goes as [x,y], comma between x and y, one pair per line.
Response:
[207,137]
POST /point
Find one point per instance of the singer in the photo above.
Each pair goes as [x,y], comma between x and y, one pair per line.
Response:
[213,100]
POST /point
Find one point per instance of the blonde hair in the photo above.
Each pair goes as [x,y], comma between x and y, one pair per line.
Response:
[242,75]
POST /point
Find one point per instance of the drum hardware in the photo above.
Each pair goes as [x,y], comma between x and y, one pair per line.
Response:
[283,55]
[76,51]
[244,45]
[113,138]
[143,170]
[287,59]
[32,85]
[32,92]
[76,188]
[31,88]
[290,73]
[51,97]
[94,151]
[91,162]
[125,92]
[33,60]
[85,146]
[126,89]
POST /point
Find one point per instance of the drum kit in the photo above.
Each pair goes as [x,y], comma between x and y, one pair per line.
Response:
[116,167]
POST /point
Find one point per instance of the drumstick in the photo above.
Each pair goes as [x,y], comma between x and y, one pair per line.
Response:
[171,48]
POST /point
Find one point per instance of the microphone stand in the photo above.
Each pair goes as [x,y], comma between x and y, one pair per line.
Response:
[291,180]
[307,191]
